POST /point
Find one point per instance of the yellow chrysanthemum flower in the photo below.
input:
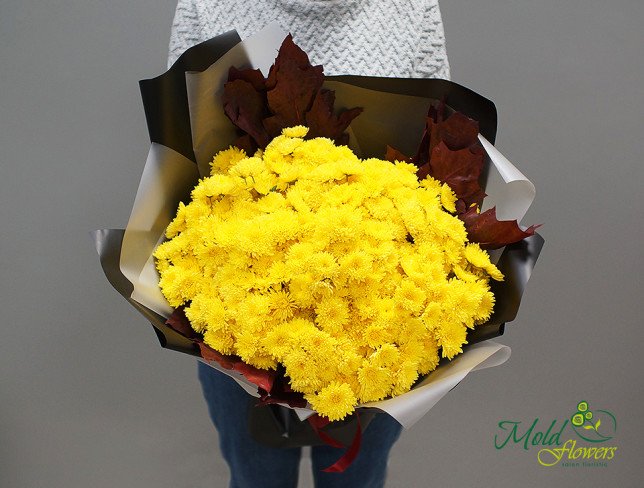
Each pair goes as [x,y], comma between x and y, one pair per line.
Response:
[448,198]
[479,258]
[331,314]
[385,355]
[405,376]
[220,340]
[282,305]
[223,160]
[336,400]
[206,312]
[375,382]
[451,337]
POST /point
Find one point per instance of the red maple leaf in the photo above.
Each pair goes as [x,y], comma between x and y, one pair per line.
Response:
[491,233]
[449,151]
[460,169]
[323,123]
[291,95]
[245,106]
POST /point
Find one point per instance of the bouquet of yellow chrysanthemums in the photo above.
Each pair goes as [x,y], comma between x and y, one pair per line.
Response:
[322,278]
[350,273]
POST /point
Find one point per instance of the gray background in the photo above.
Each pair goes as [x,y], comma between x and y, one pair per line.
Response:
[89,399]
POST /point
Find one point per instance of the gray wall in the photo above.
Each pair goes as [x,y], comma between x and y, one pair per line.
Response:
[89,399]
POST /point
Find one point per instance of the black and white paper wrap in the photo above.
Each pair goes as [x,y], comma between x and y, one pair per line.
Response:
[187,127]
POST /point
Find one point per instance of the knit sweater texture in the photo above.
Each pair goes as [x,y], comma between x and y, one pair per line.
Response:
[394,38]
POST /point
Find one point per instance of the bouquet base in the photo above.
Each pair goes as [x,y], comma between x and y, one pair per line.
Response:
[276,426]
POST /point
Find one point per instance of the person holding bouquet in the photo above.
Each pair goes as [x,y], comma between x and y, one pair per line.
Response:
[396,38]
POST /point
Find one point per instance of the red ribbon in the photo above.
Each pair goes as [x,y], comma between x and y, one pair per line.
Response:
[349,456]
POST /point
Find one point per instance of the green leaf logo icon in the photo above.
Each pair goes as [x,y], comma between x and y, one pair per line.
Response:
[586,429]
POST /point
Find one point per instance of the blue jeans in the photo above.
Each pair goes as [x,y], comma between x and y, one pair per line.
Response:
[253,465]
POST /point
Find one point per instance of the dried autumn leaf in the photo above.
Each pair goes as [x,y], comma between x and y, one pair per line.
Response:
[450,152]
[392,154]
[252,76]
[292,84]
[491,233]
[457,131]
[246,108]
[435,113]
[322,122]
[291,95]
[180,323]
[210,354]
[246,143]
[460,169]
[282,393]
[454,154]
[261,377]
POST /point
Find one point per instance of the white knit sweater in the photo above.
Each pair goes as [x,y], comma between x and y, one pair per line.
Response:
[397,38]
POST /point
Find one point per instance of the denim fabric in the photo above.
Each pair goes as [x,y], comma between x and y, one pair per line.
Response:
[253,465]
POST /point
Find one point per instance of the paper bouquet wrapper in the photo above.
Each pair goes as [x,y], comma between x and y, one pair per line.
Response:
[187,127]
